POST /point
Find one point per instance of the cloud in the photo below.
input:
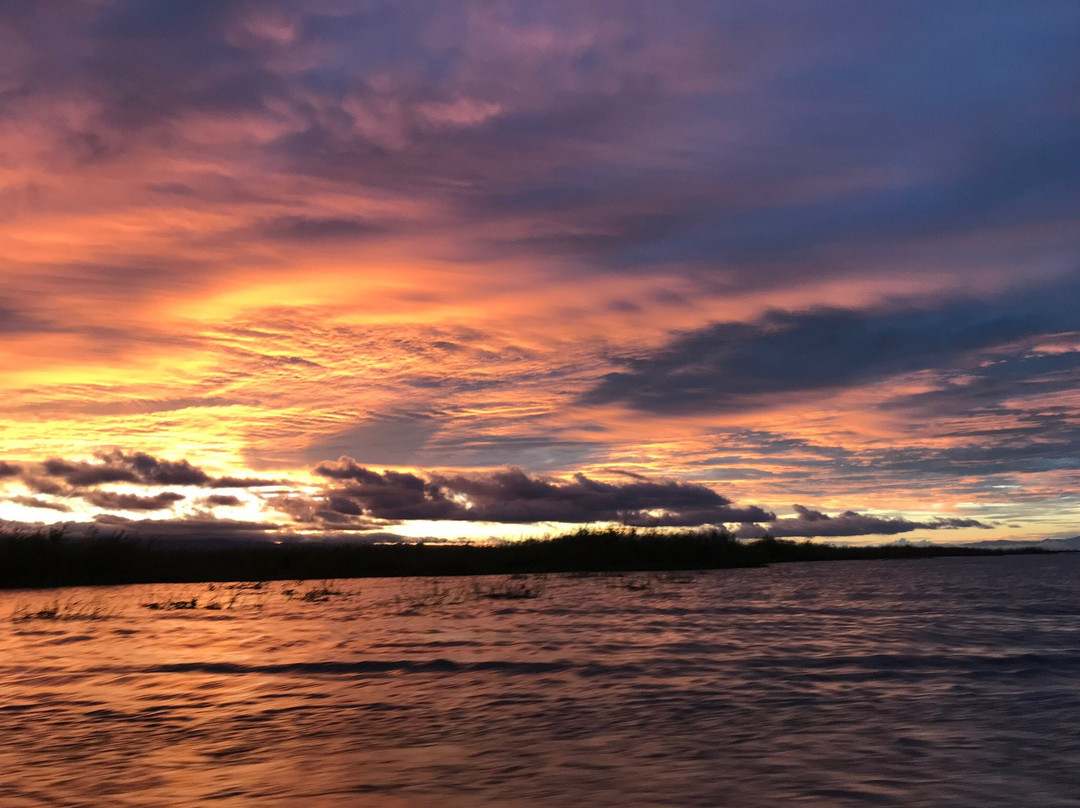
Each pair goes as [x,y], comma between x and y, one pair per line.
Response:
[136,467]
[1016,384]
[387,495]
[734,366]
[241,482]
[811,523]
[116,467]
[512,496]
[223,499]
[358,499]
[9,470]
[16,321]
[133,502]
[319,229]
[325,512]
[82,474]
[37,502]
[43,485]
[162,472]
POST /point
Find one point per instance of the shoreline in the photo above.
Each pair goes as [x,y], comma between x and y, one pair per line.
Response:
[47,560]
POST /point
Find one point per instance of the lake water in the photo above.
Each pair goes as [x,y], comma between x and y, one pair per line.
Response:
[948,682]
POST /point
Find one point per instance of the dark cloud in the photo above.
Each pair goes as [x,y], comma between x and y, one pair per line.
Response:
[162,472]
[1023,452]
[811,523]
[133,502]
[14,320]
[43,485]
[136,467]
[117,467]
[345,468]
[360,499]
[9,470]
[993,385]
[733,366]
[512,496]
[387,495]
[82,474]
[37,502]
[320,512]
[223,499]
[241,482]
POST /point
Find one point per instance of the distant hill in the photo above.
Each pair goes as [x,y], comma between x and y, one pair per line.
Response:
[1070,543]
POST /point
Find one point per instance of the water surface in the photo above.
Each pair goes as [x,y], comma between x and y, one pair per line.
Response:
[938,682]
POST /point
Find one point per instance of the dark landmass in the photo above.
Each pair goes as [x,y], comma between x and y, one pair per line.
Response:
[50,558]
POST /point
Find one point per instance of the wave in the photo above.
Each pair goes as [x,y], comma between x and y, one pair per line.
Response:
[365,667]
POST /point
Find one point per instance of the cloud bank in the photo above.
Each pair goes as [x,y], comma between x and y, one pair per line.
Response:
[810,523]
[357,499]
[513,496]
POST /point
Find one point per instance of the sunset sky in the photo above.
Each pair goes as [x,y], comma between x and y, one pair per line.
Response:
[478,269]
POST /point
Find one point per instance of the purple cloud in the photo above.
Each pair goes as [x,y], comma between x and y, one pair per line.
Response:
[133,502]
[512,496]
[812,523]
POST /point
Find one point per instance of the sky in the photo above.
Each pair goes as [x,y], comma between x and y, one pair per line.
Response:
[472,269]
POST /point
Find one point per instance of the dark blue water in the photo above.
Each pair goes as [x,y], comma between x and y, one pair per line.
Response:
[949,682]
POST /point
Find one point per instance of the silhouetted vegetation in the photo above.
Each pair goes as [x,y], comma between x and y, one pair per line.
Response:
[61,609]
[516,588]
[49,558]
[319,594]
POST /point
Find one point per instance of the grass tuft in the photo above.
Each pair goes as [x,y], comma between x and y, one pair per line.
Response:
[61,609]
[512,589]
